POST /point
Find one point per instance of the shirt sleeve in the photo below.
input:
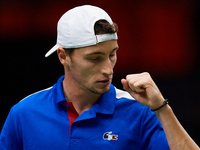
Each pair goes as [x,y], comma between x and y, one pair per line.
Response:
[152,133]
[9,138]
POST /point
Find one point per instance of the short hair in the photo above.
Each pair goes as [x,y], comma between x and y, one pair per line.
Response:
[103,27]
[100,27]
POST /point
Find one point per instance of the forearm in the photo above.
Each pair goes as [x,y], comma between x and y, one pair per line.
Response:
[177,137]
[144,90]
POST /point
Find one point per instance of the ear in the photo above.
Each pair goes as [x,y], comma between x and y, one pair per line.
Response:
[63,57]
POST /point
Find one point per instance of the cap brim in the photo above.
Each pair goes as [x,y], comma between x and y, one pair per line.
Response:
[53,49]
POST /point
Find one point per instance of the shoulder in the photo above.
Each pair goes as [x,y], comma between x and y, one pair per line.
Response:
[123,94]
[123,98]
[32,100]
[126,101]
[37,95]
[130,109]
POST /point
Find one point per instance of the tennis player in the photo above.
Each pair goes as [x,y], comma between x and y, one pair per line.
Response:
[83,110]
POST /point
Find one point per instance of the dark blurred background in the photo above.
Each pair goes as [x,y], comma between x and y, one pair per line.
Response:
[161,37]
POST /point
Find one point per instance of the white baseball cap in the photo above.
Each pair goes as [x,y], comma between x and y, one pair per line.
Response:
[75,28]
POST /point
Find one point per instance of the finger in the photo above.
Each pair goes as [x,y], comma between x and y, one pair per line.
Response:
[127,88]
[137,85]
[135,77]
[125,85]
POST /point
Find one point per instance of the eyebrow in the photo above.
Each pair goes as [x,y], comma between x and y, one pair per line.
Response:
[115,49]
[93,53]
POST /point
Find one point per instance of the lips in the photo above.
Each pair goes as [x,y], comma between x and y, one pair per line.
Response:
[105,82]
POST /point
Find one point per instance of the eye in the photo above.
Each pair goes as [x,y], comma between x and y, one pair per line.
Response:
[112,55]
[94,58]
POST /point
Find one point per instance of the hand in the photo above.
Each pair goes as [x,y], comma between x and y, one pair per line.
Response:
[143,89]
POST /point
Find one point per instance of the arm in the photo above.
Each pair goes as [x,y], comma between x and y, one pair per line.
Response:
[9,137]
[145,91]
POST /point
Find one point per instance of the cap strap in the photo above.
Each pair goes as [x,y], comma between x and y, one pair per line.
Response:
[106,37]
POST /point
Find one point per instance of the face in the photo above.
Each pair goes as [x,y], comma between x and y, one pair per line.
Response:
[91,68]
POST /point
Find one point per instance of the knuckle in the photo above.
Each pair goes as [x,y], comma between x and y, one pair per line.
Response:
[128,77]
[146,73]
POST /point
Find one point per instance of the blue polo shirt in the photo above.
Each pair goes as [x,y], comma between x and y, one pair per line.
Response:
[116,121]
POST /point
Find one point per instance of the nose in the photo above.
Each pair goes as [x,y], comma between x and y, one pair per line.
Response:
[108,67]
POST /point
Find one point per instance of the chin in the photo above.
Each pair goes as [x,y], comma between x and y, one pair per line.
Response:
[104,90]
[99,90]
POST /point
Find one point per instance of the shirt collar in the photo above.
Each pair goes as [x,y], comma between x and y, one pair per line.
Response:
[58,93]
[105,105]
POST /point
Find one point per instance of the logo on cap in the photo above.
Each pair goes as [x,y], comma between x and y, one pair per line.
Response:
[109,136]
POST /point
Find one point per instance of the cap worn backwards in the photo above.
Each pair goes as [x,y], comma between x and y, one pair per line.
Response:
[75,28]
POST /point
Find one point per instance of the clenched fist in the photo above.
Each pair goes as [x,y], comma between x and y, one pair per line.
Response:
[143,89]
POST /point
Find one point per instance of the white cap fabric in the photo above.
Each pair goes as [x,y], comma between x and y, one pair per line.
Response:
[75,28]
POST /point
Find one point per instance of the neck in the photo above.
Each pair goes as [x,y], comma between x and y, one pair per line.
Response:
[82,100]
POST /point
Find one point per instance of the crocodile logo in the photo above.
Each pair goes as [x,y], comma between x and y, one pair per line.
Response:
[109,136]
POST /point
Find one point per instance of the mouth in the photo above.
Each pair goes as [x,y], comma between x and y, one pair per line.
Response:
[105,82]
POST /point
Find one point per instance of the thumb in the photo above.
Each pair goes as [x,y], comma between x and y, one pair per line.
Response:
[125,85]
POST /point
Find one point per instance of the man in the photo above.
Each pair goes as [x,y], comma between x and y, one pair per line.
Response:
[83,110]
